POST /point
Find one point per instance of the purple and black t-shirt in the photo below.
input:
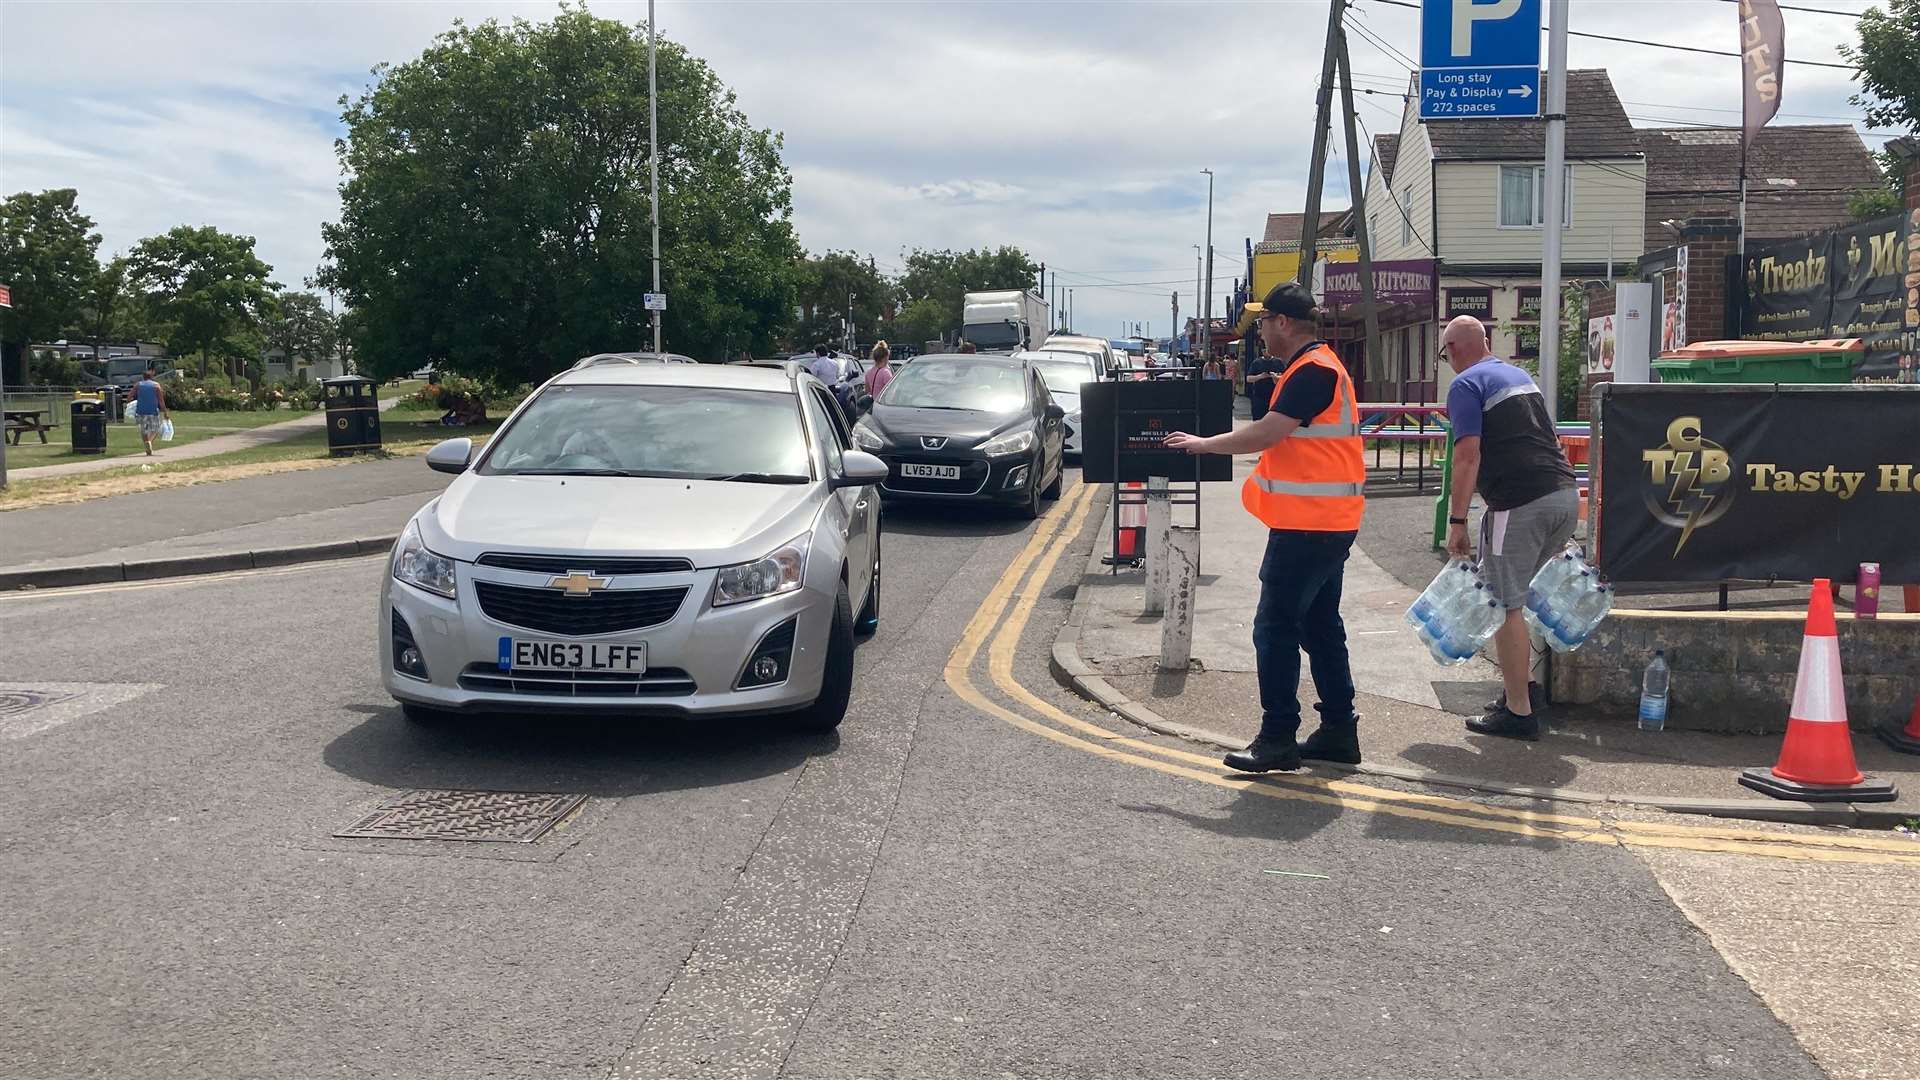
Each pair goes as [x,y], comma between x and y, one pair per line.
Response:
[1520,455]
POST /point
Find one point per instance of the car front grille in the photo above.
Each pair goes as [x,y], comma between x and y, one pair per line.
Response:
[656,682]
[551,611]
[561,564]
[973,476]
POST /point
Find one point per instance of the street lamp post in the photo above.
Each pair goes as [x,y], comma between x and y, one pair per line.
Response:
[1206,308]
[653,165]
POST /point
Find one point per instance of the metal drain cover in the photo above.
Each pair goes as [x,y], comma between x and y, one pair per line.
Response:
[513,817]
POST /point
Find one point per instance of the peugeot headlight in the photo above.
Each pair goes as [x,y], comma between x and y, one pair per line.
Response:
[866,438]
[421,568]
[1013,442]
[781,572]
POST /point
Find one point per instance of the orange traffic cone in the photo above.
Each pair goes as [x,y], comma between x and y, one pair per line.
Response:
[1907,740]
[1816,760]
[1130,534]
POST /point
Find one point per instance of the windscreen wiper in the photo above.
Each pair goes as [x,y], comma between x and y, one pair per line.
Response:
[578,472]
[763,478]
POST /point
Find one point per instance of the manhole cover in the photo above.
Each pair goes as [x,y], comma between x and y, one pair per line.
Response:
[14,702]
[514,817]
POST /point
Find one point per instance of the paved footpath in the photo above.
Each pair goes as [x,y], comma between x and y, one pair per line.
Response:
[264,435]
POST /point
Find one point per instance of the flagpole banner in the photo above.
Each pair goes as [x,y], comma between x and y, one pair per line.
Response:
[1763,51]
[1757,482]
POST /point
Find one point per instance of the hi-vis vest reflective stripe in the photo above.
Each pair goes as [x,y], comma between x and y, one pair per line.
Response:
[1314,479]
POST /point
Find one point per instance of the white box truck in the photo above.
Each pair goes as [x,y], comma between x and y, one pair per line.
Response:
[1005,321]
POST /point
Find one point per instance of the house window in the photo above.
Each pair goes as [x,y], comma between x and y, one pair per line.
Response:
[1522,192]
[1406,217]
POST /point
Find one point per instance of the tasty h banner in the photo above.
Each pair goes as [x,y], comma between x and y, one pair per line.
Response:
[1788,483]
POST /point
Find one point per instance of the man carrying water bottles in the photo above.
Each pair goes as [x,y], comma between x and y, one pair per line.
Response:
[1308,489]
[1505,447]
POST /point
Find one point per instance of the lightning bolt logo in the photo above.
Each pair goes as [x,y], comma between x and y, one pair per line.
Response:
[1689,498]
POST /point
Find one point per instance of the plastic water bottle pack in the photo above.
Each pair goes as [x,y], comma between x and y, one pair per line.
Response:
[1567,599]
[1456,614]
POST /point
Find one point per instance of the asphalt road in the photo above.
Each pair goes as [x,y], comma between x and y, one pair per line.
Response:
[953,886]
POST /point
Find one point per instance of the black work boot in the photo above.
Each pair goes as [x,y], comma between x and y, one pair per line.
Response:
[1337,741]
[1504,723]
[1265,754]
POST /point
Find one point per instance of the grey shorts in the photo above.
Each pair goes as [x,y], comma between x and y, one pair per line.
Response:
[150,425]
[1516,543]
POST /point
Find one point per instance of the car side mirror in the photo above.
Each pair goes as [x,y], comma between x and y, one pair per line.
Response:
[450,456]
[1054,411]
[859,469]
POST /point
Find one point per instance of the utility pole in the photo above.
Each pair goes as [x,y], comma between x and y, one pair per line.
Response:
[1199,300]
[1175,332]
[1317,165]
[1552,204]
[1359,200]
[653,163]
[1206,352]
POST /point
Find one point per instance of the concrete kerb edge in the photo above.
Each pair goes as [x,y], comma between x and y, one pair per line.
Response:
[1071,670]
[61,577]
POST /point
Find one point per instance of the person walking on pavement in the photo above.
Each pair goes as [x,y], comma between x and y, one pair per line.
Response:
[1260,376]
[150,408]
[881,373]
[1308,488]
[1505,447]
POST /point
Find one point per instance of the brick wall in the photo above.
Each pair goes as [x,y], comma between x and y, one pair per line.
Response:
[1910,149]
[1710,240]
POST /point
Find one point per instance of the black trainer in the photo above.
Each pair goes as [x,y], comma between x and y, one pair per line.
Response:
[1536,697]
[1265,755]
[1504,723]
[1334,742]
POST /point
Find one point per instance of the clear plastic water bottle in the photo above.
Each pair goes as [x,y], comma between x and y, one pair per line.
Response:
[1653,694]
[1588,609]
[1436,603]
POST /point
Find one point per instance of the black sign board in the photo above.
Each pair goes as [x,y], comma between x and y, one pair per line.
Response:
[1529,304]
[1475,302]
[1850,283]
[1790,483]
[1125,426]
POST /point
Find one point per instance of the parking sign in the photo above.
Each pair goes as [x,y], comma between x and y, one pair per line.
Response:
[1479,58]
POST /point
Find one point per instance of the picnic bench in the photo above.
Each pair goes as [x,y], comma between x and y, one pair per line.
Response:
[21,421]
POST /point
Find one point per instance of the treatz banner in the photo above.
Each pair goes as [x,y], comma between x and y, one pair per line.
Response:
[1862,281]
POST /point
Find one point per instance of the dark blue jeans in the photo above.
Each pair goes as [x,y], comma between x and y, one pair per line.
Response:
[1300,581]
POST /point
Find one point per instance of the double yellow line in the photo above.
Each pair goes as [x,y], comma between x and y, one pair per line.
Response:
[998,632]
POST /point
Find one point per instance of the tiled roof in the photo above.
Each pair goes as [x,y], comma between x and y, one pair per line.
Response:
[1386,148]
[1798,177]
[1597,127]
[1287,226]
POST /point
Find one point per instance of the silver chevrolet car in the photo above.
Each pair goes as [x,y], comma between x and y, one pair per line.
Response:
[661,538]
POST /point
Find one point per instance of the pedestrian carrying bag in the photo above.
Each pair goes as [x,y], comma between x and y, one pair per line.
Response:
[166,430]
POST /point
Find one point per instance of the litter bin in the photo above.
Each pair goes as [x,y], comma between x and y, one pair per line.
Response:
[87,417]
[1829,361]
[353,415]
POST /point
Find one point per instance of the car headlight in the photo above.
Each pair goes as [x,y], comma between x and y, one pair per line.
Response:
[1013,442]
[421,568]
[781,572]
[866,438]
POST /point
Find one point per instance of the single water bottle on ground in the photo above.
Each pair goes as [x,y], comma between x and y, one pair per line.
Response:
[1653,694]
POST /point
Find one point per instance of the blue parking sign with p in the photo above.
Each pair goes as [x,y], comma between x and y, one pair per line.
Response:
[1480,33]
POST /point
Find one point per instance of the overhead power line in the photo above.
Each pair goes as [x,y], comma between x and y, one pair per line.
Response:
[1654,44]
[1811,10]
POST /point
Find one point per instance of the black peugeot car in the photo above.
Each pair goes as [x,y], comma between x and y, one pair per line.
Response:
[968,427]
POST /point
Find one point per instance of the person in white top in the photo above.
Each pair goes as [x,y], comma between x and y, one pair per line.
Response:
[824,367]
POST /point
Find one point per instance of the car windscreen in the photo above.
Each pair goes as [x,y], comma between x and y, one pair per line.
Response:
[958,384]
[684,432]
[1065,376]
[994,335]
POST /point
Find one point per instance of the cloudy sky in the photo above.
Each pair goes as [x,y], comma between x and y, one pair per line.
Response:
[1076,130]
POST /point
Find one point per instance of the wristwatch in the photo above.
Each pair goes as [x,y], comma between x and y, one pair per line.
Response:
[1456,521]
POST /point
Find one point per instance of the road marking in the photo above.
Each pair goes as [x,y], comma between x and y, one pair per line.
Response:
[1050,542]
[185,579]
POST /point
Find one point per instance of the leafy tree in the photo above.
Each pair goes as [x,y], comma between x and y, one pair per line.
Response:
[1888,57]
[826,287]
[945,277]
[302,328]
[494,211]
[922,320]
[206,286]
[47,251]
[110,311]
[1869,203]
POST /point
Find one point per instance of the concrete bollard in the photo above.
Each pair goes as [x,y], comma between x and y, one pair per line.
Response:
[1183,585]
[1159,520]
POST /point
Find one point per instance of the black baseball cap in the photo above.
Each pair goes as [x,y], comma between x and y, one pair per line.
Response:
[1291,299]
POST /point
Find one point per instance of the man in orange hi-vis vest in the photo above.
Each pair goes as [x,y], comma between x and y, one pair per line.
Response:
[1307,488]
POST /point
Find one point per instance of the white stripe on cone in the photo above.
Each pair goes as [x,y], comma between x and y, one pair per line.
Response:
[1818,696]
[1133,515]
